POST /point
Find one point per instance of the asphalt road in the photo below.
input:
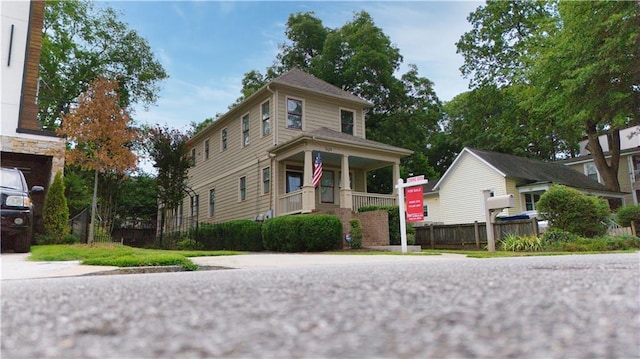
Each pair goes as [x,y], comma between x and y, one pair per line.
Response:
[540,307]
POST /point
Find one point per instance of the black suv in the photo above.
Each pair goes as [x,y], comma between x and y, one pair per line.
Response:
[17,210]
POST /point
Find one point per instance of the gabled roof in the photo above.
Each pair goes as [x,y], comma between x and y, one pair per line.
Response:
[527,170]
[302,80]
[325,134]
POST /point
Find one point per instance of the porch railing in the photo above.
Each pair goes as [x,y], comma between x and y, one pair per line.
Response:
[290,202]
[361,199]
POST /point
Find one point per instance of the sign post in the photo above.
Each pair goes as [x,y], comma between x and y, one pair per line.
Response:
[412,209]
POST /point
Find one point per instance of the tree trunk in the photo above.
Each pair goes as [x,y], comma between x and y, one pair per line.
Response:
[94,206]
[608,170]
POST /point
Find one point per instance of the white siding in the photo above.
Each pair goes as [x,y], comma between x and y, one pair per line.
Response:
[461,191]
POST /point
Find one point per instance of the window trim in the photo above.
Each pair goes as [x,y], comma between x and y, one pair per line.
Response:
[266,189]
[244,131]
[212,204]
[263,120]
[586,167]
[353,124]
[301,114]
[224,136]
[242,190]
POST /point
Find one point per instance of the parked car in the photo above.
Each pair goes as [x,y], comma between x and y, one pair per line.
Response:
[17,210]
[543,224]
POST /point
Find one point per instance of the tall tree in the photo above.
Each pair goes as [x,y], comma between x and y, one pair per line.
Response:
[81,43]
[99,135]
[170,153]
[588,75]
[360,58]
[577,63]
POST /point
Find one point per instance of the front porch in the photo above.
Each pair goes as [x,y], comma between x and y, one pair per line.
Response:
[345,162]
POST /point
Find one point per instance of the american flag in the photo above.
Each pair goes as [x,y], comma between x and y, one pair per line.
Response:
[317,171]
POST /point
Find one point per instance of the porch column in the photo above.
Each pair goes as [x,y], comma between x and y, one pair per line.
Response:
[345,191]
[396,176]
[275,186]
[308,191]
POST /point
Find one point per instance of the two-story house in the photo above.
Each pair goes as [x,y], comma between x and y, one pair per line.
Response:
[258,159]
[629,170]
[23,144]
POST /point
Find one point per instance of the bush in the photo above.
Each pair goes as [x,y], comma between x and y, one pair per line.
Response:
[55,213]
[355,233]
[521,243]
[555,235]
[238,235]
[628,214]
[302,233]
[46,239]
[569,210]
[598,244]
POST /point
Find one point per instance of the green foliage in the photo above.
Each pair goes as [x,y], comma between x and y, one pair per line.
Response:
[597,244]
[627,214]
[241,235]
[360,58]
[137,198]
[301,233]
[571,211]
[168,149]
[80,43]
[77,189]
[515,243]
[556,235]
[55,213]
[355,233]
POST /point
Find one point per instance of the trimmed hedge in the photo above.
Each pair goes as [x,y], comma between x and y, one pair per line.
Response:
[302,233]
[238,235]
[627,214]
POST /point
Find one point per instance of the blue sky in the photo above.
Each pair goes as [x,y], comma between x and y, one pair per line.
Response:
[207,46]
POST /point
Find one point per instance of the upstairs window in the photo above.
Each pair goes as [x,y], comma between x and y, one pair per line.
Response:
[212,202]
[266,119]
[206,149]
[223,139]
[245,130]
[591,171]
[346,121]
[294,114]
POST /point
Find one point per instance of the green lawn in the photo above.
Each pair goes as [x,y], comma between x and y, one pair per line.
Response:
[120,256]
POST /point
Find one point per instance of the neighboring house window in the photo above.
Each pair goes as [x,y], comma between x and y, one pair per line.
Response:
[530,200]
[266,119]
[294,181]
[212,202]
[591,171]
[206,149]
[327,185]
[266,180]
[294,114]
[243,188]
[425,210]
[193,156]
[346,121]
[245,130]
[223,139]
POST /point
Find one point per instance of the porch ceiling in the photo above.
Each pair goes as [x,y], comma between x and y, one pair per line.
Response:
[335,160]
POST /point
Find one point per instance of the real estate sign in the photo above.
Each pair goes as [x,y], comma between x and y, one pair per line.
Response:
[414,202]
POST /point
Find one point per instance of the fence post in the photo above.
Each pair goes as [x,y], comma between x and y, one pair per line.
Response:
[536,229]
[477,234]
[633,228]
[431,233]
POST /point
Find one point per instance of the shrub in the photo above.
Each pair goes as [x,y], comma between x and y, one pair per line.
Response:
[555,235]
[70,239]
[301,233]
[599,244]
[628,214]
[239,235]
[355,233]
[515,243]
[571,211]
[55,213]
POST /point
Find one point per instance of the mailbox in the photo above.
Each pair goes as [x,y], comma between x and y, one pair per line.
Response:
[500,202]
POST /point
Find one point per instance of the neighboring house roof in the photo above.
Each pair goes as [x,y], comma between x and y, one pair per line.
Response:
[589,157]
[328,135]
[527,170]
[302,80]
[429,187]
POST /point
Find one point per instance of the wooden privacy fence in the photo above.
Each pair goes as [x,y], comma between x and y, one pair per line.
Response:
[470,235]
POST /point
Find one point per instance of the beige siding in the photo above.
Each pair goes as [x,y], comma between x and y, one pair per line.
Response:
[434,212]
[461,191]
[520,202]
[624,175]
